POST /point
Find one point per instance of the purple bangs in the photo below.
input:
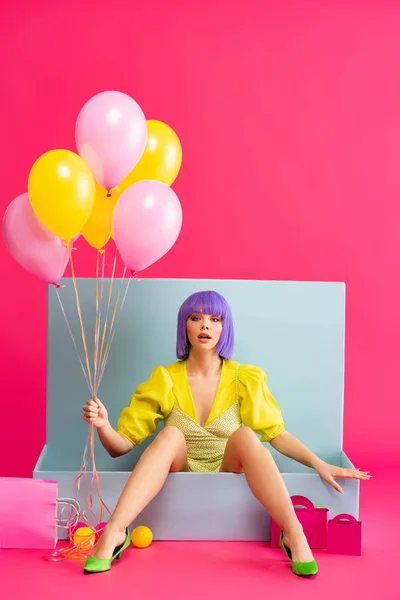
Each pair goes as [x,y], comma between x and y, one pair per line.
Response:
[207,303]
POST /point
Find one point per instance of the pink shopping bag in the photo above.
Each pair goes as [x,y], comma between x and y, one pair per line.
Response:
[313,519]
[28,513]
[344,535]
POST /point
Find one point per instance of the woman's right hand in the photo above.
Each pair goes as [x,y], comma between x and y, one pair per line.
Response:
[95,413]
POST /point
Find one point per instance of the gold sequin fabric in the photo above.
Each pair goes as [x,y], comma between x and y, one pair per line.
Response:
[206,445]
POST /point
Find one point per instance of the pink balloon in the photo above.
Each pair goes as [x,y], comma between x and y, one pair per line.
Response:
[147,220]
[111,135]
[31,244]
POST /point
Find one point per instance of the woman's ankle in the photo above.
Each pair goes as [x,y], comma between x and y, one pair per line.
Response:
[293,530]
[113,526]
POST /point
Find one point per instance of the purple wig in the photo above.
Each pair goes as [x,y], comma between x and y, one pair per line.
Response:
[207,303]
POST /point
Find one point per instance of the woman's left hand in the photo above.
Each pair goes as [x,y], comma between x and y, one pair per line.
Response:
[330,473]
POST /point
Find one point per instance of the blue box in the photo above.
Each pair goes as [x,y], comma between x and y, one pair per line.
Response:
[292,330]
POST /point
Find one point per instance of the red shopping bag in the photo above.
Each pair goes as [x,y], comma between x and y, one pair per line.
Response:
[28,513]
[344,535]
[313,519]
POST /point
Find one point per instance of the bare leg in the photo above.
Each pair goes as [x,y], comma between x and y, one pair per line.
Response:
[167,453]
[245,453]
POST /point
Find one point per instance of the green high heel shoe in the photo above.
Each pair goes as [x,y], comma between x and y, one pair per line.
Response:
[303,569]
[99,565]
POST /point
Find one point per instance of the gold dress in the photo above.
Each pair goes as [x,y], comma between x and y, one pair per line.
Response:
[242,398]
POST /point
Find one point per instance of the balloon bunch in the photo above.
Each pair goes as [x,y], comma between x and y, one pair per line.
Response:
[116,186]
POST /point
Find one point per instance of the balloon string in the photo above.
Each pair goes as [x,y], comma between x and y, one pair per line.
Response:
[113,326]
[108,308]
[96,325]
[99,308]
[73,339]
[81,550]
[97,479]
[78,305]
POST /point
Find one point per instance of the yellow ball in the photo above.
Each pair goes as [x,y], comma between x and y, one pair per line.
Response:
[142,537]
[84,537]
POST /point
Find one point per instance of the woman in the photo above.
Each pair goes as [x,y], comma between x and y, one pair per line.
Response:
[211,407]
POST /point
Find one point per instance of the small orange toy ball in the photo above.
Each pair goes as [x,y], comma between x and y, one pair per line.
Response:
[84,537]
[142,537]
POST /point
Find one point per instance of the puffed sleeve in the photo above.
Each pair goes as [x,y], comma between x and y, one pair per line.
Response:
[259,409]
[151,403]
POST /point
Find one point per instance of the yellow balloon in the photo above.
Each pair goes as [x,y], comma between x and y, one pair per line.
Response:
[98,227]
[61,189]
[161,159]
[84,537]
[141,537]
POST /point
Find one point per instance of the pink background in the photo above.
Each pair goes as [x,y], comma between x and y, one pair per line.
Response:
[288,113]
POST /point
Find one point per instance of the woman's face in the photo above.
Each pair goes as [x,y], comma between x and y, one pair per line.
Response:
[203,331]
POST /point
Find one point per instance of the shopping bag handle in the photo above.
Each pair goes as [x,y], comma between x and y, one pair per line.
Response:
[302,501]
[343,518]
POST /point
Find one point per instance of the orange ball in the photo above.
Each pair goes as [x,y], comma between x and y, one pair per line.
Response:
[84,537]
[142,537]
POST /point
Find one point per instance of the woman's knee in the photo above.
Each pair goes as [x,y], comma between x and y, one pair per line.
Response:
[172,442]
[171,435]
[243,435]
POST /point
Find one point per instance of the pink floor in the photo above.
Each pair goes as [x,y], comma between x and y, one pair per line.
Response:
[224,570]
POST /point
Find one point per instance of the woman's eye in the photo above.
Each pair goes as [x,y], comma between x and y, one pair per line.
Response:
[216,320]
[195,318]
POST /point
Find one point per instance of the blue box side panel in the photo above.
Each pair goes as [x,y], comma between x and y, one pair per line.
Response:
[199,506]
